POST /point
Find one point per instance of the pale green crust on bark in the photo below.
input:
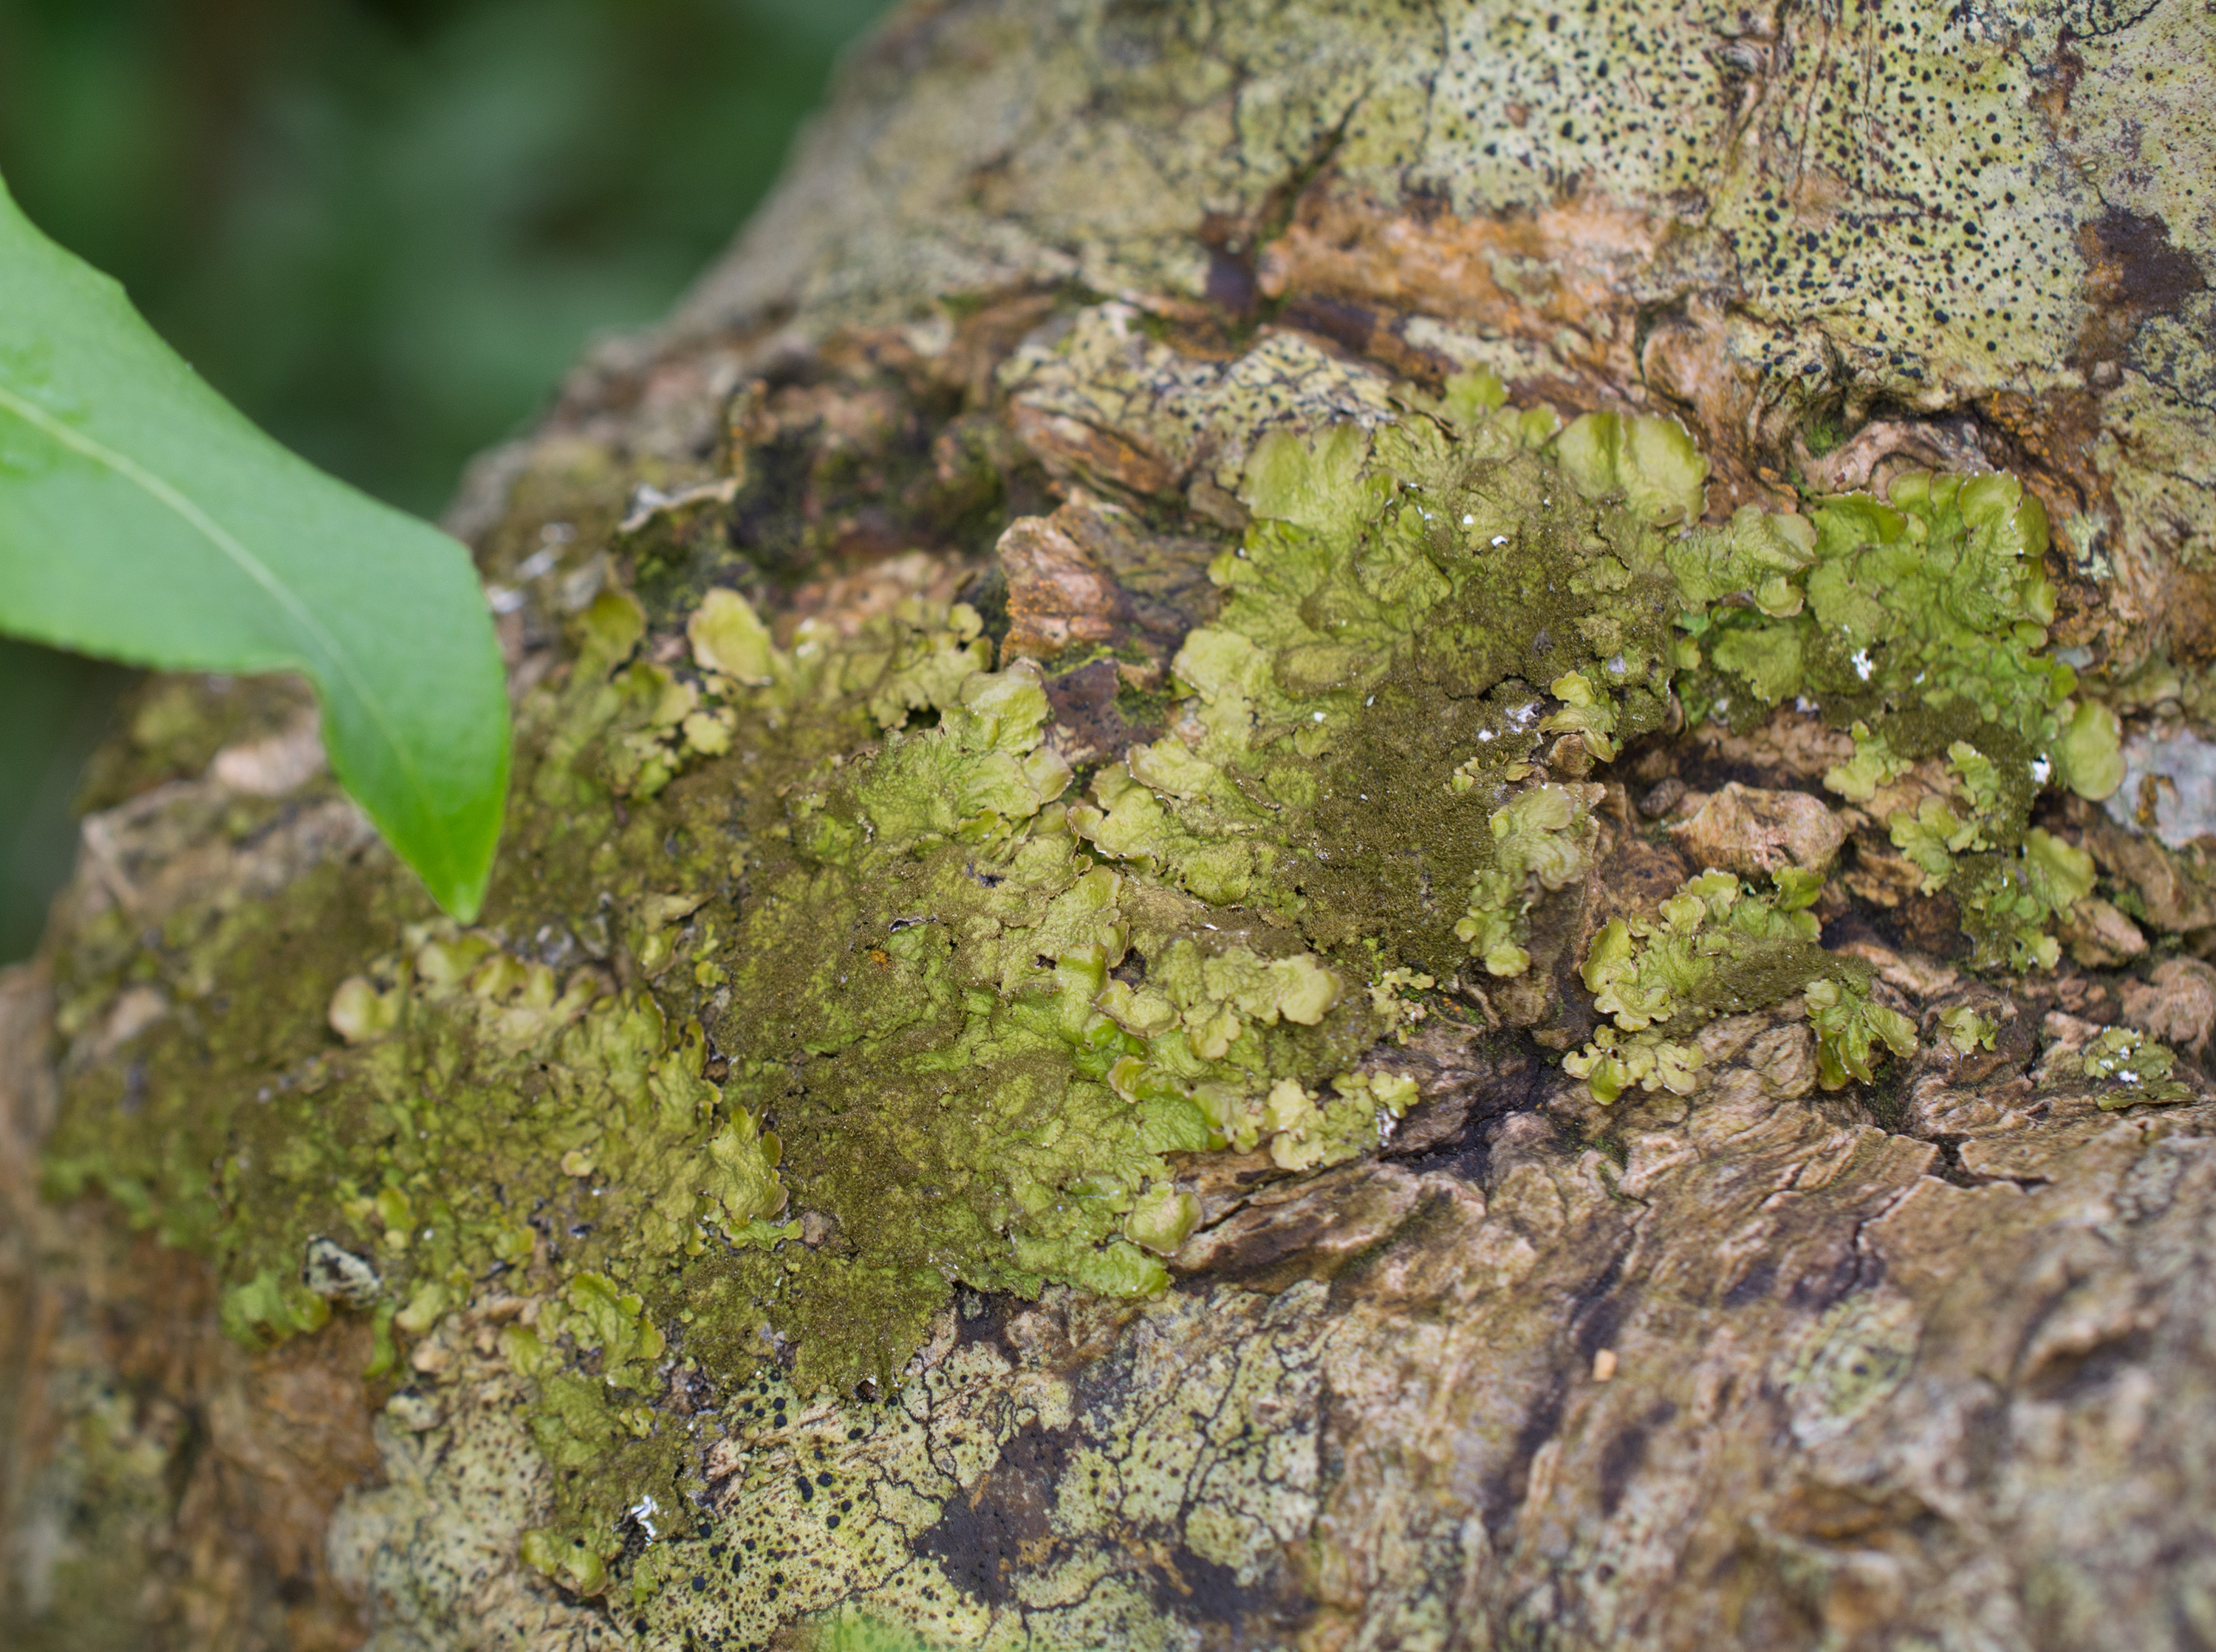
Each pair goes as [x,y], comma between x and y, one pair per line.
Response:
[1776,220]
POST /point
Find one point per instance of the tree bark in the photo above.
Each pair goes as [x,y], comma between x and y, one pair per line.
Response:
[1921,1363]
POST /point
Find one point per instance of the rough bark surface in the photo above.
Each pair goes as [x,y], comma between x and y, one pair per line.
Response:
[1926,1362]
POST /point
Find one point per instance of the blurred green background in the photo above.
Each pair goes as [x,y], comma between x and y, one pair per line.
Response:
[381,227]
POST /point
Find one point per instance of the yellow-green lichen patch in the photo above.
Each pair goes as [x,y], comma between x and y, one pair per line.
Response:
[1719,948]
[905,954]
[507,1125]
[1919,613]
[1967,1029]
[816,984]
[1414,612]
[1543,841]
[2137,1071]
[1921,622]
[925,1003]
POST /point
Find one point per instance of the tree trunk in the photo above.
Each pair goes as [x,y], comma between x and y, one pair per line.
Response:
[393,1286]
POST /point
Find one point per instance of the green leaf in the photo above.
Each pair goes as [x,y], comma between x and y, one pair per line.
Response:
[144,518]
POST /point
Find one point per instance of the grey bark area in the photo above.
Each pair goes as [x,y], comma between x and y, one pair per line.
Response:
[1923,1364]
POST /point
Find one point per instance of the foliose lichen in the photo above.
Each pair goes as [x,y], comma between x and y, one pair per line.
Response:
[1920,622]
[1718,947]
[2138,1070]
[817,981]
[1967,1029]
